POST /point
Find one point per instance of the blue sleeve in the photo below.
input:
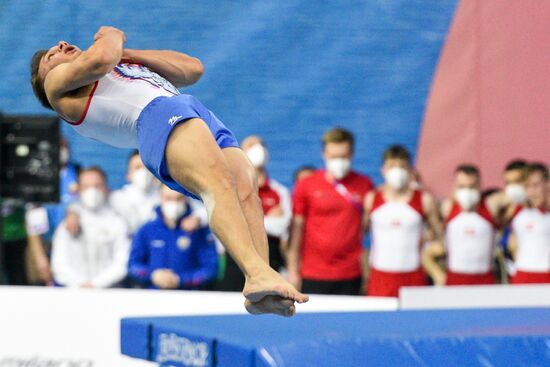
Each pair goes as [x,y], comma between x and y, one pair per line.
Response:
[505,238]
[206,258]
[367,241]
[139,268]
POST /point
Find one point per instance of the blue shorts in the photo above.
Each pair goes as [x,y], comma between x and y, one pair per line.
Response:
[156,122]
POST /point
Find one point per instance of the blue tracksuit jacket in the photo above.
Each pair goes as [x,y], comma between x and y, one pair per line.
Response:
[190,255]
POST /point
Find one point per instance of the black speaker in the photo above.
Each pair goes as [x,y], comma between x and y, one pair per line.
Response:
[29,158]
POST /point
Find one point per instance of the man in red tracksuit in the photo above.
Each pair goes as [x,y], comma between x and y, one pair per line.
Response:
[326,237]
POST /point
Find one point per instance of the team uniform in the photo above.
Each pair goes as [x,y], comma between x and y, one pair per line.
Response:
[273,194]
[470,245]
[134,205]
[332,238]
[396,233]
[134,107]
[192,255]
[532,229]
[99,255]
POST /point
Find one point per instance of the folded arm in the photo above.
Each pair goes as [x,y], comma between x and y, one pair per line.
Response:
[88,67]
[178,68]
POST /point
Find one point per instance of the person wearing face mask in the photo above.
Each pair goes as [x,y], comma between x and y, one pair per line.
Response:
[98,256]
[504,201]
[530,226]
[514,190]
[325,248]
[165,256]
[276,207]
[135,202]
[471,227]
[397,216]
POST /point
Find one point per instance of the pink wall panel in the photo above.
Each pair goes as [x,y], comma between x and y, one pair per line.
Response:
[490,97]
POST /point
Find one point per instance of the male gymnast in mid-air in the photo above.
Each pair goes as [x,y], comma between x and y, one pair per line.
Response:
[129,98]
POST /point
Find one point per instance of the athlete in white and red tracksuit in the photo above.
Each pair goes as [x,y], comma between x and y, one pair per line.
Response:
[397,216]
[469,237]
[530,243]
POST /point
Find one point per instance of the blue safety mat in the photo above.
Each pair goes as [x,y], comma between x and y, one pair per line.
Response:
[488,337]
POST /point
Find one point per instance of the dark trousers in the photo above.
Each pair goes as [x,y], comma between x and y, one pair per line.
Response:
[350,287]
[14,262]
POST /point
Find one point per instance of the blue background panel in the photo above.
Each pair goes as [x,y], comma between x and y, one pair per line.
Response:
[286,70]
[489,337]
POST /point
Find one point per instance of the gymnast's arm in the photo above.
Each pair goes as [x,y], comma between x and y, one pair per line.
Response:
[88,67]
[178,68]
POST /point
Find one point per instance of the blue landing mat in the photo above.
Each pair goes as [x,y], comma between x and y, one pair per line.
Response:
[488,337]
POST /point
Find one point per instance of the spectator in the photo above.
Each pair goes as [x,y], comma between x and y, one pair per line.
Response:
[397,216]
[276,201]
[530,225]
[135,201]
[165,256]
[276,206]
[514,178]
[506,201]
[41,221]
[470,234]
[97,257]
[514,191]
[326,236]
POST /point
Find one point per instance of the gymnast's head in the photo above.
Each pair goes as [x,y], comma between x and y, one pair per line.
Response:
[43,61]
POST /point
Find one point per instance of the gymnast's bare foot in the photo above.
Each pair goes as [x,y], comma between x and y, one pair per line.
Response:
[271,304]
[270,283]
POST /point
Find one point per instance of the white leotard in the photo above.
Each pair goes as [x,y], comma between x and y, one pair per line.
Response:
[116,101]
[532,229]
[396,229]
[470,240]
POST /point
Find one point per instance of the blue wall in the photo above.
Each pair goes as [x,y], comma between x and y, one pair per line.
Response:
[286,70]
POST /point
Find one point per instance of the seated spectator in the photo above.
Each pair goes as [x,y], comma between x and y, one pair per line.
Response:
[530,226]
[397,216]
[97,257]
[166,256]
[471,224]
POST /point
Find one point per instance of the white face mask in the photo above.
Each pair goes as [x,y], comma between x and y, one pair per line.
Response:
[516,193]
[92,198]
[257,155]
[63,156]
[397,177]
[338,167]
[172,210]
[467,198]
[142,179]
[415,185]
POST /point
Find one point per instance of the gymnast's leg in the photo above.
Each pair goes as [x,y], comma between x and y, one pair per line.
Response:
[196,162]
[251,205]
